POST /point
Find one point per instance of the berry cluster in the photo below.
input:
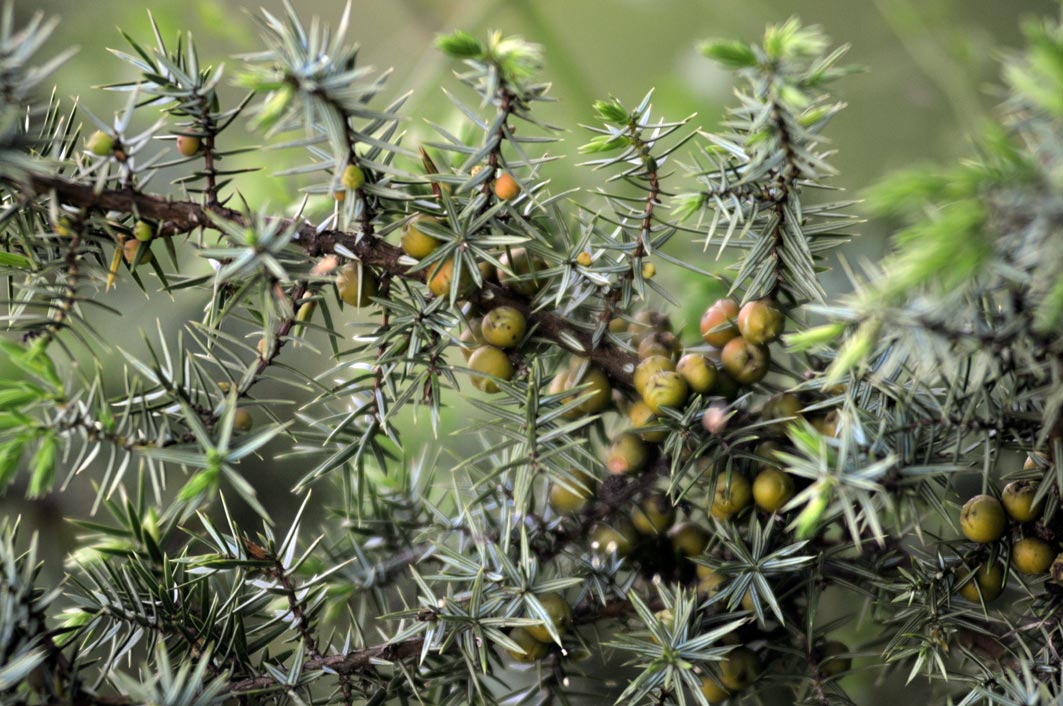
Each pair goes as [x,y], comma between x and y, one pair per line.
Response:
[647,528]
[1008,525]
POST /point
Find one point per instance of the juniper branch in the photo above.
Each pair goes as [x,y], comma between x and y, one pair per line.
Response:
[179,217]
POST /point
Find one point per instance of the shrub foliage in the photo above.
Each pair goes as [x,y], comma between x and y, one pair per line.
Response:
[762,507]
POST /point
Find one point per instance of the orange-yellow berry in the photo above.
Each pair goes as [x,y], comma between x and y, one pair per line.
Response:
[1032,556]
[626,454]
[654,515]
[504,327]
[989,578]
[188,145]
[439,282]
[717,323]
[982,519]
[618,536]
[1018,499]
[772,489]
[649,367]
[506,187]
[746,362]
[242,421]
[731,495]
[698,371]
[665,389]
[688,538]
[760,321]
[415,242]
[356,284]
[489,361]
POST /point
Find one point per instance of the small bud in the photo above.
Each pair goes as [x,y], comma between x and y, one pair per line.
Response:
[353,177]
[100,143]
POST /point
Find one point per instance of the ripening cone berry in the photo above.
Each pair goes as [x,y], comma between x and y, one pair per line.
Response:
[647,322]
[1033,462]
[667,619]
[571,497]
[518,271]
[506,187]
[616,537]
[131,251]
[188,145]
[415,241]
[713,692]
[782,406]
[560,613]
[732,495]
[353,177]
[982,519]
[440,281]
[772,489]
[688,538]
[739,668]
[1057,569]
[532,650]
[504,327]
[698,371]
[989,578]
[488,360]
[826,424]
[143,231]
[356,284]
[100,143]
[654,515]
[709,581]
[594,390]
[649,367]
[664,389]
[717,323]
[1018,500]
[760,321]
[746,362]
[471,337]
[1032,556]
[832,663]
[626,454]
[642,416]
[663,343]
[242,421]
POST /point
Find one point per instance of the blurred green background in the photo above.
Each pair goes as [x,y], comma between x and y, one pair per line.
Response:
[931,77]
